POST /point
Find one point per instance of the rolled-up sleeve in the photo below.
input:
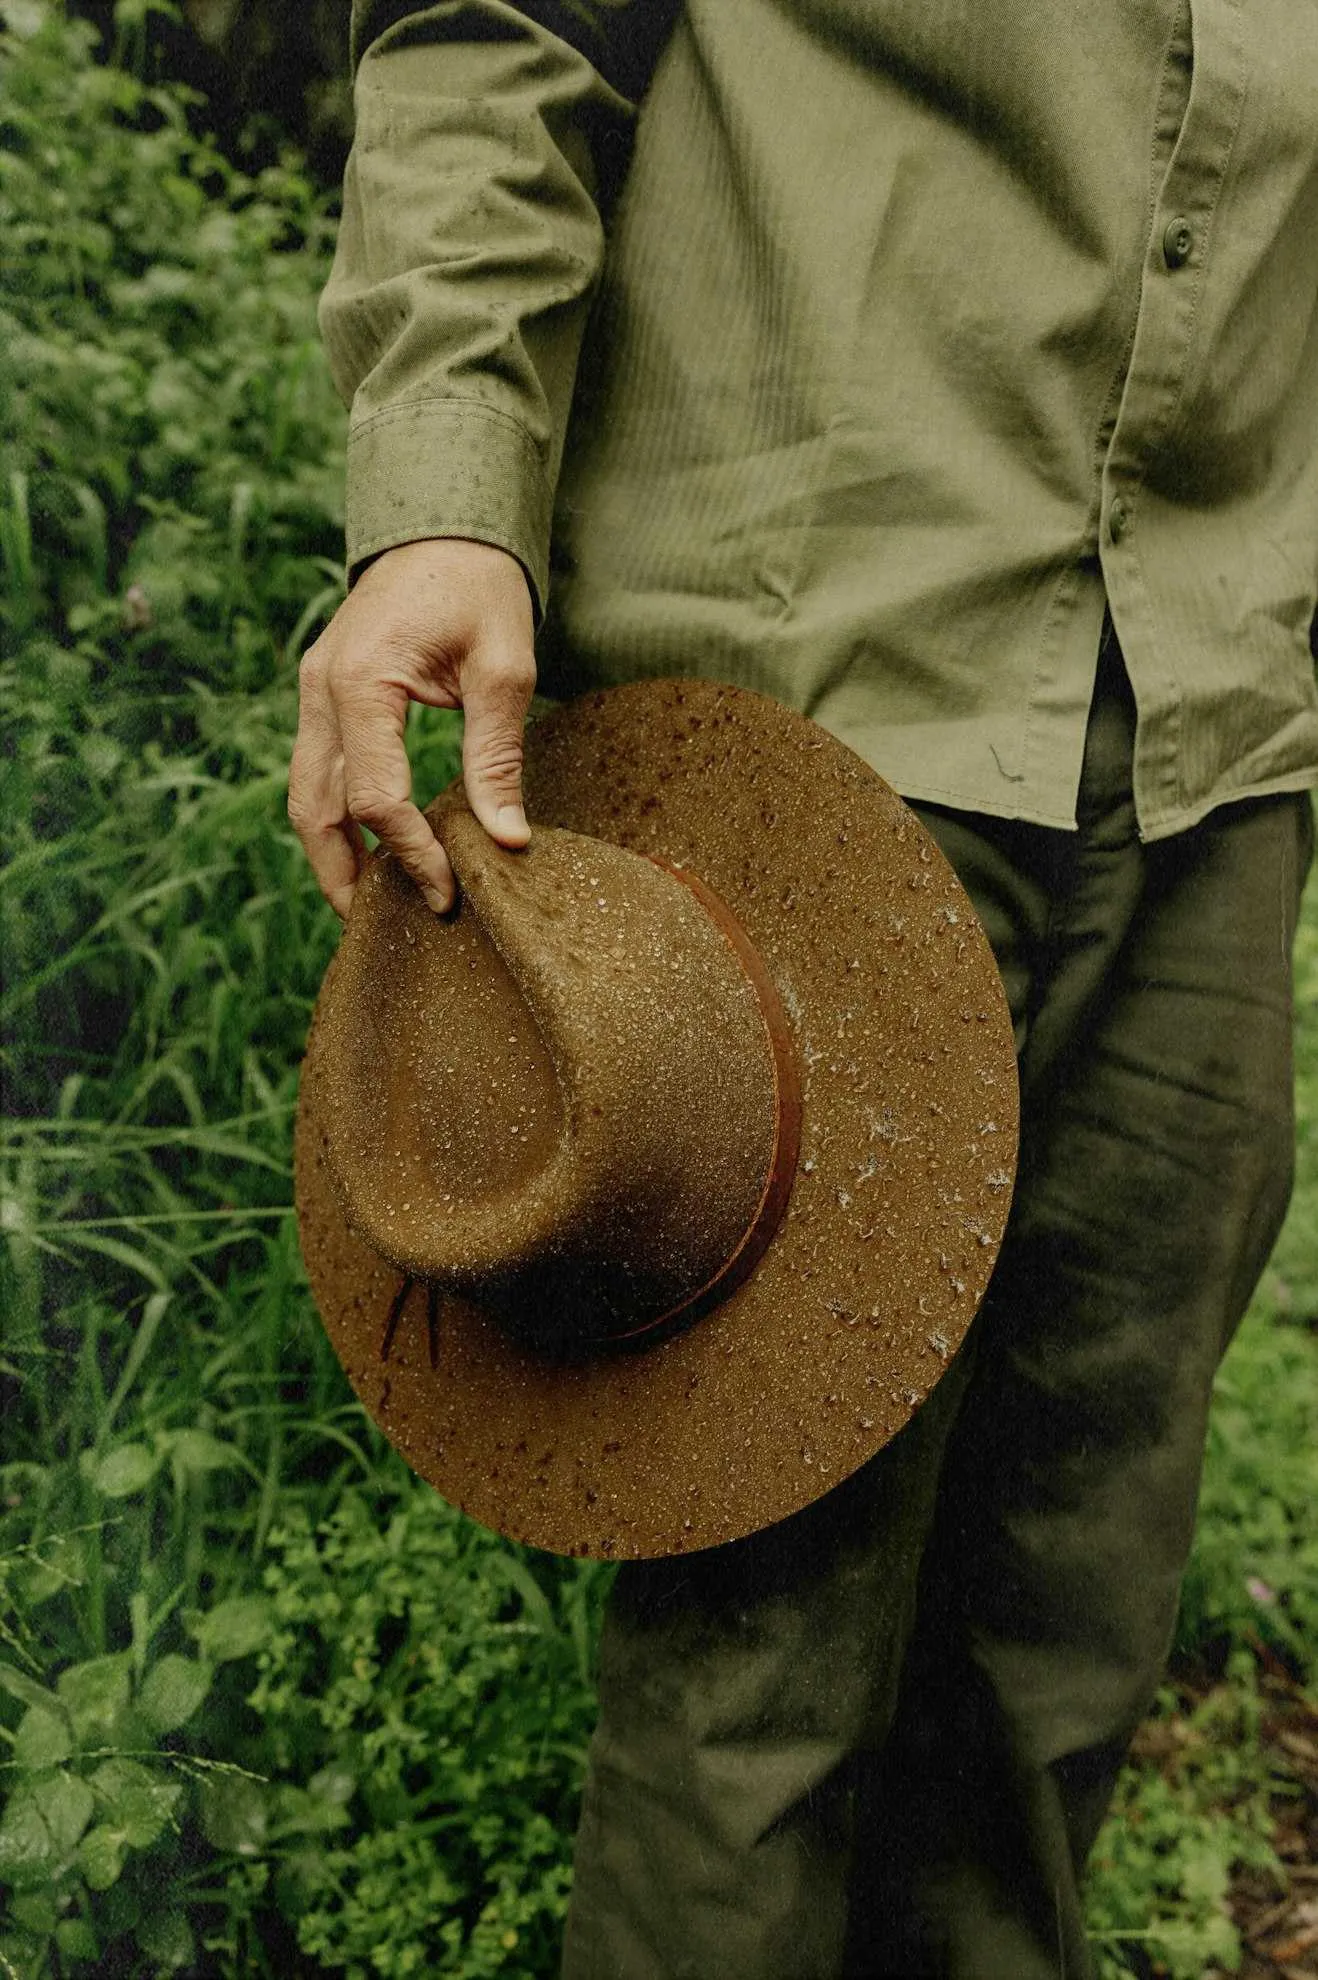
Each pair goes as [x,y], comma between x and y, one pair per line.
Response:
[487,140]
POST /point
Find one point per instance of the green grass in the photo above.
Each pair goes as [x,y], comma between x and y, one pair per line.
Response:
[268,1706]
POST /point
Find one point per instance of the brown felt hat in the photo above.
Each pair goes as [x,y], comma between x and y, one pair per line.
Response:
[648,1194]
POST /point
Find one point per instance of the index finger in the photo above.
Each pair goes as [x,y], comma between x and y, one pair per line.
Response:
[378,784]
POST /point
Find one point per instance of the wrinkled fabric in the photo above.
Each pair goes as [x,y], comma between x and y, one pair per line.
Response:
[885,345]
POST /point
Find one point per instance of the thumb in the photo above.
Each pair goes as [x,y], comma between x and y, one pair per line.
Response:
[497,685]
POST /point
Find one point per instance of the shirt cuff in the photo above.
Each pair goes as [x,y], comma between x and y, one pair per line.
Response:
[447,467]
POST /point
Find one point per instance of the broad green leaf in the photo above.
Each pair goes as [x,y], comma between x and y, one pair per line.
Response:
[1205,1877]
[28,1692]
[96,1694]
[24,17]
[134,1801]
[336,1784]
[233,1628]
[39,1579]
[64,1802]
[28,1852]
[76,1939]
[128,1469]
[101,1854]
[43,1738]
[172,1691]
[35,1911]
[197,1450]
[235,1813]
[166,1937]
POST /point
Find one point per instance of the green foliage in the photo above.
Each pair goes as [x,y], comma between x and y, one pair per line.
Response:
[448,1687]
[1163,1866]
[169,524]
[94,1785]
[415,1732]
[172,496]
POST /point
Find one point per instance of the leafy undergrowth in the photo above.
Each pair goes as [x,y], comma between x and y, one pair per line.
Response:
[1208,1864]
[269,1707]
[1279,1928]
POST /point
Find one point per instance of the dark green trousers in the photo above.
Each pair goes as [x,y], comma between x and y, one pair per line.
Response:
[880,1737]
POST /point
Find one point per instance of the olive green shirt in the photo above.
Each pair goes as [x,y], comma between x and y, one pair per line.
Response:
[864,364]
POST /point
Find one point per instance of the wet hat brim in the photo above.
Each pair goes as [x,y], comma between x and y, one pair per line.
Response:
[896,1213]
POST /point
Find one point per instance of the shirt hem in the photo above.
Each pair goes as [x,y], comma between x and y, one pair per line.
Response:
[1165,826]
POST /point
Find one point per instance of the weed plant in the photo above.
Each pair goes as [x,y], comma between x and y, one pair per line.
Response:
[270,1707]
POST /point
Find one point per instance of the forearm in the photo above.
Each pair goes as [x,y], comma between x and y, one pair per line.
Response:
[470,245]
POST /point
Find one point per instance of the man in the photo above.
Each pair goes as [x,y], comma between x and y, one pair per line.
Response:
[953,375]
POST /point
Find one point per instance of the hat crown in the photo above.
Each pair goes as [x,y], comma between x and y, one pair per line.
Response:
[562,1098]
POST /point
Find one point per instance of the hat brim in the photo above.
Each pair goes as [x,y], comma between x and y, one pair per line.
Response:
[908,1145]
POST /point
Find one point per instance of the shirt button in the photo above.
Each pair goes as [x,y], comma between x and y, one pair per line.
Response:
[1177,243]
[1118,518]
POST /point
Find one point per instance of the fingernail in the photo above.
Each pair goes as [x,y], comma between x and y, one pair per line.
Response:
[434,899]
[510,820]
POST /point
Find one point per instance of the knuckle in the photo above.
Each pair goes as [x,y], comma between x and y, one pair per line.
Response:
[375,808]
[311,669]
[343,675]
[309,824]
[518,674]
[365,682]
[507,679]
[299,804]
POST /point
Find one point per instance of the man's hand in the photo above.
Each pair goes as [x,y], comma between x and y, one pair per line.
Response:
[447,622]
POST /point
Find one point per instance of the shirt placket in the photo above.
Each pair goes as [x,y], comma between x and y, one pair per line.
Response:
[1177,267]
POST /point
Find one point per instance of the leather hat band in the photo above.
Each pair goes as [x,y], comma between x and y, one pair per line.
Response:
[787,1131]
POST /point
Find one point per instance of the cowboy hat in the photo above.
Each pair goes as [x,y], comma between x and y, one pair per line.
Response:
[647,1195]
